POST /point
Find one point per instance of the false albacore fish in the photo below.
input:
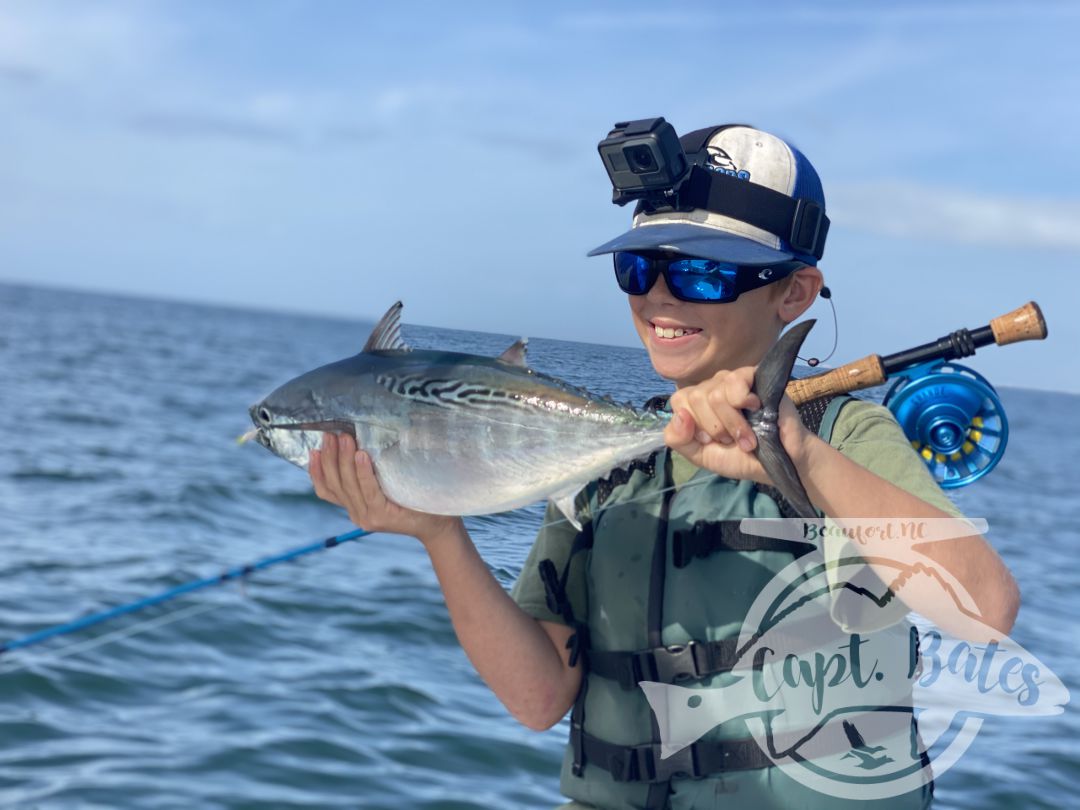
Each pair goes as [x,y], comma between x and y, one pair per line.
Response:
[460,434]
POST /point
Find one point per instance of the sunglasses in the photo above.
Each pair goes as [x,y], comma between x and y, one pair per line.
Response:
[696,280]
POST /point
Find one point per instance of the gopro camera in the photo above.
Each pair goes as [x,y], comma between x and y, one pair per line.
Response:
[644,160]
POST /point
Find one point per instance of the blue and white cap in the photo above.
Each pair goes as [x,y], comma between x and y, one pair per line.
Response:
[748,155]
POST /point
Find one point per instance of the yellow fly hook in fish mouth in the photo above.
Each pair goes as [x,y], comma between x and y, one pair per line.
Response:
[247,437]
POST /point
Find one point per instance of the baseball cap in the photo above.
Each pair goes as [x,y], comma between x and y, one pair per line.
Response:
[752,226]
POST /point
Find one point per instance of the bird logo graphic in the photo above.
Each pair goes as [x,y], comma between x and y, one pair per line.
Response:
[866,754]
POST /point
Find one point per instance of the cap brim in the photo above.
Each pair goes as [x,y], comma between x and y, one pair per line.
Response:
[694,240]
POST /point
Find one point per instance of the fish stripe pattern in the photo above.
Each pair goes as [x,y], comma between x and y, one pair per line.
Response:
[448,393]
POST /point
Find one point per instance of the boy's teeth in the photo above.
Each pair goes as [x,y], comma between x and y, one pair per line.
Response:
[669,332]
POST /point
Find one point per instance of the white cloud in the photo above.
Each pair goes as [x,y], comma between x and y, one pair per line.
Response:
[958,216]
[79,42]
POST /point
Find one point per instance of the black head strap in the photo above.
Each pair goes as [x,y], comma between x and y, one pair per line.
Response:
[802,223]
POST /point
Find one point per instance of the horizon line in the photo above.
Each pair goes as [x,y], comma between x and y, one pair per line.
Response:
[270,310]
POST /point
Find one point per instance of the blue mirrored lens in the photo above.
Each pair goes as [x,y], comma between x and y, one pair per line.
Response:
[702,279]
[634,273]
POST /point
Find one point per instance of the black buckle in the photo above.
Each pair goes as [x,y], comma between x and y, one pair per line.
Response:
[578,643]
[553,592]
[806,223]
[670,664]
[645,765]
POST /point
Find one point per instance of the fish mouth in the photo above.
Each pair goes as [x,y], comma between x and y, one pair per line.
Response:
[261,432]
[324,426]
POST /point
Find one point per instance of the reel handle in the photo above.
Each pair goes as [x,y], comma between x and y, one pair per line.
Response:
[1023,323]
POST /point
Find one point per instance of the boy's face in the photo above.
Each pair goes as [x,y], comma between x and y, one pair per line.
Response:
[716,336]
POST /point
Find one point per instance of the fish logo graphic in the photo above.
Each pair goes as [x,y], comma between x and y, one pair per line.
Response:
[720,162]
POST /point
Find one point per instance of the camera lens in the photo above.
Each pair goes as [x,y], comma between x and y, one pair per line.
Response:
[640,158]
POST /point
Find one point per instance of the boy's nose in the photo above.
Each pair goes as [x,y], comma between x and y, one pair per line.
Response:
[660,294]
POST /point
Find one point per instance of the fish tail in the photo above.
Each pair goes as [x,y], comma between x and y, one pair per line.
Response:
[770,381]
[774,371]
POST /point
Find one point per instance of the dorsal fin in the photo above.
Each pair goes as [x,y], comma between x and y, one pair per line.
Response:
[515,355]
[386,336]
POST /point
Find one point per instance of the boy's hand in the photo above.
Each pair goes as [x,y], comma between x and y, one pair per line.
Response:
[344,476]
[709,428]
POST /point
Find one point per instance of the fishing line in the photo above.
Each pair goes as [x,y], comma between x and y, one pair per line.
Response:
[116,635]
[695,483]
[240,573]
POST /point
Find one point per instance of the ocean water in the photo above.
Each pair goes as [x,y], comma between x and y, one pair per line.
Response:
[336,681]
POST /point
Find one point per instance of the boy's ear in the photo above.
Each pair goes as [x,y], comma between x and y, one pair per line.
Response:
[802,290]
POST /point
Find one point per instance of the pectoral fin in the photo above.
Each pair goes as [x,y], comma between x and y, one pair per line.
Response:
[564,501]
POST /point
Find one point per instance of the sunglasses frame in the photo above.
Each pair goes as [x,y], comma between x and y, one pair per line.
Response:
[747,276]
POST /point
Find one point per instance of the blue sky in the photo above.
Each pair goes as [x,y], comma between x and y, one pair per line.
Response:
[331,157]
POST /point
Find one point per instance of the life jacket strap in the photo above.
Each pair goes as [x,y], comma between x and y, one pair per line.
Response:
[693,660]
[558,601]
[670,664]
[643,763]
[577,732]
[709,536]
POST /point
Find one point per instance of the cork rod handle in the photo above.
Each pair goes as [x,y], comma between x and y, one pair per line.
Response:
[864,373]
[1023,323]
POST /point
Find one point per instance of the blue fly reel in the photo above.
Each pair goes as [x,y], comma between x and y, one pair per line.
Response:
[953,418]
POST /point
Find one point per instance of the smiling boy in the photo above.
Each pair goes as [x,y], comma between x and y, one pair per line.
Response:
[710,289]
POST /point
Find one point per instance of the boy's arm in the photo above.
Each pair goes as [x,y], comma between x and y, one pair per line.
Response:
[710,429]
[524,661]
[842,488]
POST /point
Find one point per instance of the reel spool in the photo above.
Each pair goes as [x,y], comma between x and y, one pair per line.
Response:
[954,419]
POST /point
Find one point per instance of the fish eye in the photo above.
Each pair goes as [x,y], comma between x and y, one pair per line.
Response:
[264,416]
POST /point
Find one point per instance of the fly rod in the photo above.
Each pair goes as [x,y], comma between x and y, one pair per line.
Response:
[1023,323]
[952,415]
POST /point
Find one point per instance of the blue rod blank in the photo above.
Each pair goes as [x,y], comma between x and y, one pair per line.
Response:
[239,572]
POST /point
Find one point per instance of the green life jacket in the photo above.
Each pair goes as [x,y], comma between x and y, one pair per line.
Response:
[669,581]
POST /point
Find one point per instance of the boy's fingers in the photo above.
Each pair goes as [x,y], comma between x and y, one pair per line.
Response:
[314,468]
[680,429]
[346,467]
[369,485]
[739,385]
[330,466]
[318,481]
[709,408]
[737,390]
[691,449]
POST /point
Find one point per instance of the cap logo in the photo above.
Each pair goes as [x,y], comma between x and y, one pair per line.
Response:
[720,162]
